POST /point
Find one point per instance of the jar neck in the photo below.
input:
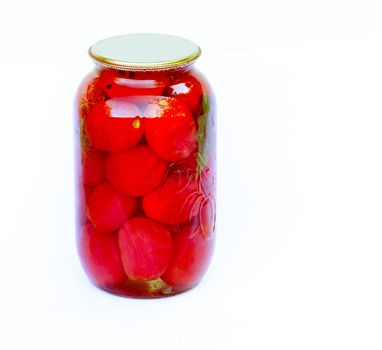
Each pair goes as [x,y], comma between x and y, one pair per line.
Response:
[132,73]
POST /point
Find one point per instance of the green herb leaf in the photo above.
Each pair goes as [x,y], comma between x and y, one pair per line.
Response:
[203,146]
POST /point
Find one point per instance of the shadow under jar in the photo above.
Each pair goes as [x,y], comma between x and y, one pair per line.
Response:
[146,167]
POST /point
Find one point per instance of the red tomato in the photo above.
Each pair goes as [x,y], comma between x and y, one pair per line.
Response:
[190,259]
[146,248]
[188,89]
[94,91]
[108,209]
[121,83]
[93,94]
[93,167]
[88,190]
[114,125]
[170,128]
[204,205]
[84,193]
[176,201]
[135,172]
[101,257]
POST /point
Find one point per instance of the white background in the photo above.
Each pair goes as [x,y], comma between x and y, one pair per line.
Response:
[298,263]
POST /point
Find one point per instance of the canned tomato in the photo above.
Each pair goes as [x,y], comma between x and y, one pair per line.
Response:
[146,166]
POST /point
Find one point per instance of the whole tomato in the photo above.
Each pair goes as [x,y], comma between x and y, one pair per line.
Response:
[190,259]
[188,89]
[92,167]
[135,172]
[174,202]
[114,125]
[146,248]
[170,129]
[101,257]
[108,209]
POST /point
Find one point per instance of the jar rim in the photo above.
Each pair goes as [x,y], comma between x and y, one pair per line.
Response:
[144,51]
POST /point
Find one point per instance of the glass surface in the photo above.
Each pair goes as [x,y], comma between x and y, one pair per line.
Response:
[146,180]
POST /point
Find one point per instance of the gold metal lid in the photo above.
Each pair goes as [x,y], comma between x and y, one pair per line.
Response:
[144,51]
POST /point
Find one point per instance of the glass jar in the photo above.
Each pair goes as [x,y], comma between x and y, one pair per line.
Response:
[146,167]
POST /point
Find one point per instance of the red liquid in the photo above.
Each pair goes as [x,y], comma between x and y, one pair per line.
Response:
[146,180]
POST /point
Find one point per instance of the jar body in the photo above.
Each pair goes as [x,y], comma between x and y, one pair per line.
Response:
[146,180]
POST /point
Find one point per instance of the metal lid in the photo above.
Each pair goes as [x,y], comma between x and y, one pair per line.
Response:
[144,51]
